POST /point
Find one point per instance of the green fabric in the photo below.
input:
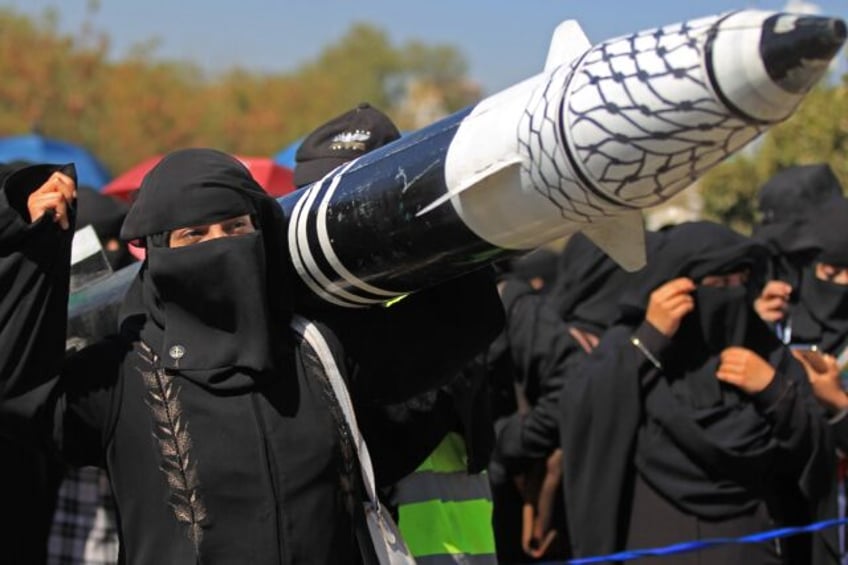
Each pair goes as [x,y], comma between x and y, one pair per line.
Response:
[393,301]
[449,457]
[436,527]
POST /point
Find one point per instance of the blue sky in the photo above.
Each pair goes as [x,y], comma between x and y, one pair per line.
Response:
[503,41]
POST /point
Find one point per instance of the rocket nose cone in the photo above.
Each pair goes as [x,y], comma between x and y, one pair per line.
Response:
[796,50]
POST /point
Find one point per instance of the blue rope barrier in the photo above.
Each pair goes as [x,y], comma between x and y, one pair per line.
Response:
[685,547]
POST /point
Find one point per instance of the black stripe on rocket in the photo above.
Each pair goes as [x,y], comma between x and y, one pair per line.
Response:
[545,112]
[374,246]
[711,73]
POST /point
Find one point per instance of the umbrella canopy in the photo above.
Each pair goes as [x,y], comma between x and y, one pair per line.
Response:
[39,149]
[274,178]
[286,156]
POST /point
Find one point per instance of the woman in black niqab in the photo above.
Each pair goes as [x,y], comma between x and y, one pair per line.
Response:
[791,203]
[219,428]
[214,308]
[821,315]
[668,451]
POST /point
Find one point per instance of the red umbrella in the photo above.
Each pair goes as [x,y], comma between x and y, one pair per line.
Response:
[276,179]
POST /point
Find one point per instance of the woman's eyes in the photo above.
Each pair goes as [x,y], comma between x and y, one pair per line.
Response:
[239,226]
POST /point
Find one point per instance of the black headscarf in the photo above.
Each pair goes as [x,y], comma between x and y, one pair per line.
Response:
[790,203]
[589,283]
[8,168]
[703,444]
[215,309]
[821,315]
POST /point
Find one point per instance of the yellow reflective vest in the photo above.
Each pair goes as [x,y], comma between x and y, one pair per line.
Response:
[445,514]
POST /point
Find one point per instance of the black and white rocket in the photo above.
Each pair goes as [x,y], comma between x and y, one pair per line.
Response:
[603,132]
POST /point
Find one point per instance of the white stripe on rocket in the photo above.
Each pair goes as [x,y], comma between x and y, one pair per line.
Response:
[314,270]
[316,275]
[741,72]
[330,254]
[294,252]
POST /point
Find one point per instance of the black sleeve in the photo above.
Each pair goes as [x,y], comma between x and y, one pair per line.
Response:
[839,427]
[401,436]
[542,350]
[87,407]
[601,407]
[420,342]
[799,426]
[34,271]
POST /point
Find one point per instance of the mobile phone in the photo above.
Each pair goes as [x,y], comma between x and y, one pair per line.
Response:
[812,355]
[842,361]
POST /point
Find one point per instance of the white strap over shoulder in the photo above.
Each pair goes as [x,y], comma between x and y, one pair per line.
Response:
[314,338]
[388,543]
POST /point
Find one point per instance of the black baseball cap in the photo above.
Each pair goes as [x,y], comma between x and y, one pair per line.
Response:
[342,139]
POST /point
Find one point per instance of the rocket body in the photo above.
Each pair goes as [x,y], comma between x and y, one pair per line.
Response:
[602,133]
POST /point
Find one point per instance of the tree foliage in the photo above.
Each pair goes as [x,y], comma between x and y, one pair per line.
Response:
[125,111]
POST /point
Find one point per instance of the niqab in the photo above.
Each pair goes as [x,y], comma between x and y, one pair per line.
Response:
[697,428]
[790,203]
[821,315]
[215,310]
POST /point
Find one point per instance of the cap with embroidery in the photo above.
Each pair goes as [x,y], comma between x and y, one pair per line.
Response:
[342,139]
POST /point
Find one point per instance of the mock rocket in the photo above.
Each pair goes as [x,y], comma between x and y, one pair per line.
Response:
[603,132]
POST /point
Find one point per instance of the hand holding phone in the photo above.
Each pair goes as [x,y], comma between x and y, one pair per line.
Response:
[814,357]
[823,373]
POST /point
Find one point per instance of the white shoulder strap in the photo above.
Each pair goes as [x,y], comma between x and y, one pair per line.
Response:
[388,543]
[314,338]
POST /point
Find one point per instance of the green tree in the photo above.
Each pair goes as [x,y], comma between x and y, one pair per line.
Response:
[357,67]
[442,67]
[127,110]
[730,192]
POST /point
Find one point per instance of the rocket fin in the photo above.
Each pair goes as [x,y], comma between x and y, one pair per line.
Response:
[478,178]
[568,43]
[622,238]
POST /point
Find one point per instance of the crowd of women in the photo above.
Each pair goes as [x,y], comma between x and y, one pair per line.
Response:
[698,398]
